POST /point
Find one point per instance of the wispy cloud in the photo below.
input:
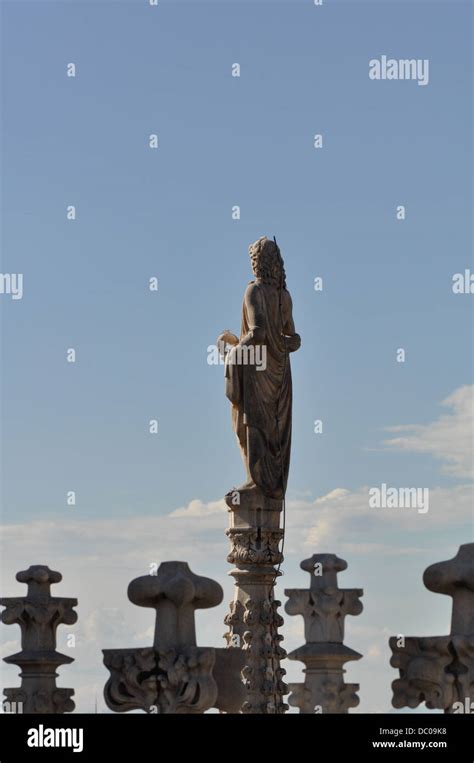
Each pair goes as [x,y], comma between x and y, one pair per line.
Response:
[197,508]
[448,439]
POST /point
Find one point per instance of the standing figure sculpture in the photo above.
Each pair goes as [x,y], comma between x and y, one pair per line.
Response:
[258,384]
[258,373]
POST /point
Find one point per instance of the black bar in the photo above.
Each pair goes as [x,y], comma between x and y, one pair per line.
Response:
[136,737]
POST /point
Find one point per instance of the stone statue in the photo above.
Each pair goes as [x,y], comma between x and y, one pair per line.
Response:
[258,374]
[258,384]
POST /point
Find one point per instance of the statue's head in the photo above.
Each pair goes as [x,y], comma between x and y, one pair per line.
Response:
[267,262]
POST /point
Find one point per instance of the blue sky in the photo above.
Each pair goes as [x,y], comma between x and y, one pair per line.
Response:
[227,141]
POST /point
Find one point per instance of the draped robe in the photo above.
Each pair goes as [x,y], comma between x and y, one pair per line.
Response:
[262,397]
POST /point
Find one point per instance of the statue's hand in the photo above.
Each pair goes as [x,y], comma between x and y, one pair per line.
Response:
[227,337]
[293,342]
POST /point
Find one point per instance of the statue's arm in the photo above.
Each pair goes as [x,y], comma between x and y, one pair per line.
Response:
[255,317]
[293,340]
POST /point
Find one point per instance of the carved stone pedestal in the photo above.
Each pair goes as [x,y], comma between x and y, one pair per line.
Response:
[324,607]
[174,675]
[439,670]
[39,614]
[255,535]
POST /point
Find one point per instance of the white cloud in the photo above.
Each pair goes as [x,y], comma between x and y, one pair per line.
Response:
[449,438]
[124,542]
[197,508]
[374,652]
[9,647]
[343,520]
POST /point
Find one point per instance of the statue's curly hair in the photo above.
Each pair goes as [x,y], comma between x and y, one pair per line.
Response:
[268,266]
